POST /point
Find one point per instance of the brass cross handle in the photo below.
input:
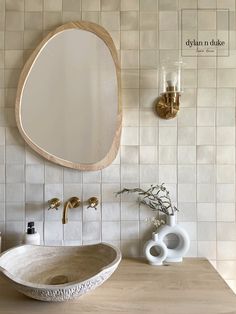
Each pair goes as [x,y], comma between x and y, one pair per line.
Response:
[54,203]
[93,202]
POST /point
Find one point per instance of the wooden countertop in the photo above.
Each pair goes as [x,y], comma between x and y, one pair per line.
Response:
[191,287]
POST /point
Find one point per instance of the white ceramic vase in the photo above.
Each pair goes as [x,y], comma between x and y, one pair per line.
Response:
[180,247]
[155,250]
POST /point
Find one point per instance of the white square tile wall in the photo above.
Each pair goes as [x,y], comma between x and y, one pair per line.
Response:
[194,153]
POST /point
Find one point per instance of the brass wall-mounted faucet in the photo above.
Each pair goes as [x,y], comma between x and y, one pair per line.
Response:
[72,202]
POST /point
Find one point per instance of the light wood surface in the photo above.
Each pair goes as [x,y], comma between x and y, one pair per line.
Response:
[111,154]
[189,287]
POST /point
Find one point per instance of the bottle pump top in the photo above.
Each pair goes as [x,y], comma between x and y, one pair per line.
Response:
[31,236]
[30,228]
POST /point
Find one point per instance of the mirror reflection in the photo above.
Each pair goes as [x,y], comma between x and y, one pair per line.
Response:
[69,108]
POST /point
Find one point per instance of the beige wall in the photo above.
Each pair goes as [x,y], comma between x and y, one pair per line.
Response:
[193,154]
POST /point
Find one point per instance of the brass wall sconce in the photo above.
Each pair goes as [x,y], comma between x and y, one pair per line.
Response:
[167,105]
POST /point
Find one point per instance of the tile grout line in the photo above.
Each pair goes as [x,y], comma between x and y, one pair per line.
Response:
[177,120]
[139,109]
[120,198]
[44,211]
[3,244]
[216,147]
[196,145]
[101,221]
[158,91]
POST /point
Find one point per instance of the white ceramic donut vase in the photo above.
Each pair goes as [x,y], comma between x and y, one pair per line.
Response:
[159,248]
[181,247]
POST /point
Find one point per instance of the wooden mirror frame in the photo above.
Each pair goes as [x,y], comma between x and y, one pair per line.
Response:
[112,153]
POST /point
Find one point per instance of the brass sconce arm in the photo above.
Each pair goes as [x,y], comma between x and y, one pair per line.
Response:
[73,202]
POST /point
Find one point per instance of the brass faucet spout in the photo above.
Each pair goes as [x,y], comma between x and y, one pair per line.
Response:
[65,210]
[73,202]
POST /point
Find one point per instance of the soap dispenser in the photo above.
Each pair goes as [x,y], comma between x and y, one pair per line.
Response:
[31,236]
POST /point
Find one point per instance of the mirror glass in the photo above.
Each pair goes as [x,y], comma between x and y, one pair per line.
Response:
[68,105]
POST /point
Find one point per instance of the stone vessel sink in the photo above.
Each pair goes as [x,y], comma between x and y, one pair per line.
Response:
[51,273]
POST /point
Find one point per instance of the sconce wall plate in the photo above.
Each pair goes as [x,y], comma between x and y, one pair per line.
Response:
[167,105]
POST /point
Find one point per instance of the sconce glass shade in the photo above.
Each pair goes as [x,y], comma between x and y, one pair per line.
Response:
[170,78]
[167,104]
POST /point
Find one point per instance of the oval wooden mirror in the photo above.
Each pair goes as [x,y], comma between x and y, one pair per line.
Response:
[68,106]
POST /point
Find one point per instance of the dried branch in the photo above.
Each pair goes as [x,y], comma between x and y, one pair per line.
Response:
[156,197]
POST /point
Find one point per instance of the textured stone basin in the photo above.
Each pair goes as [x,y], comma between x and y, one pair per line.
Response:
[51,273]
